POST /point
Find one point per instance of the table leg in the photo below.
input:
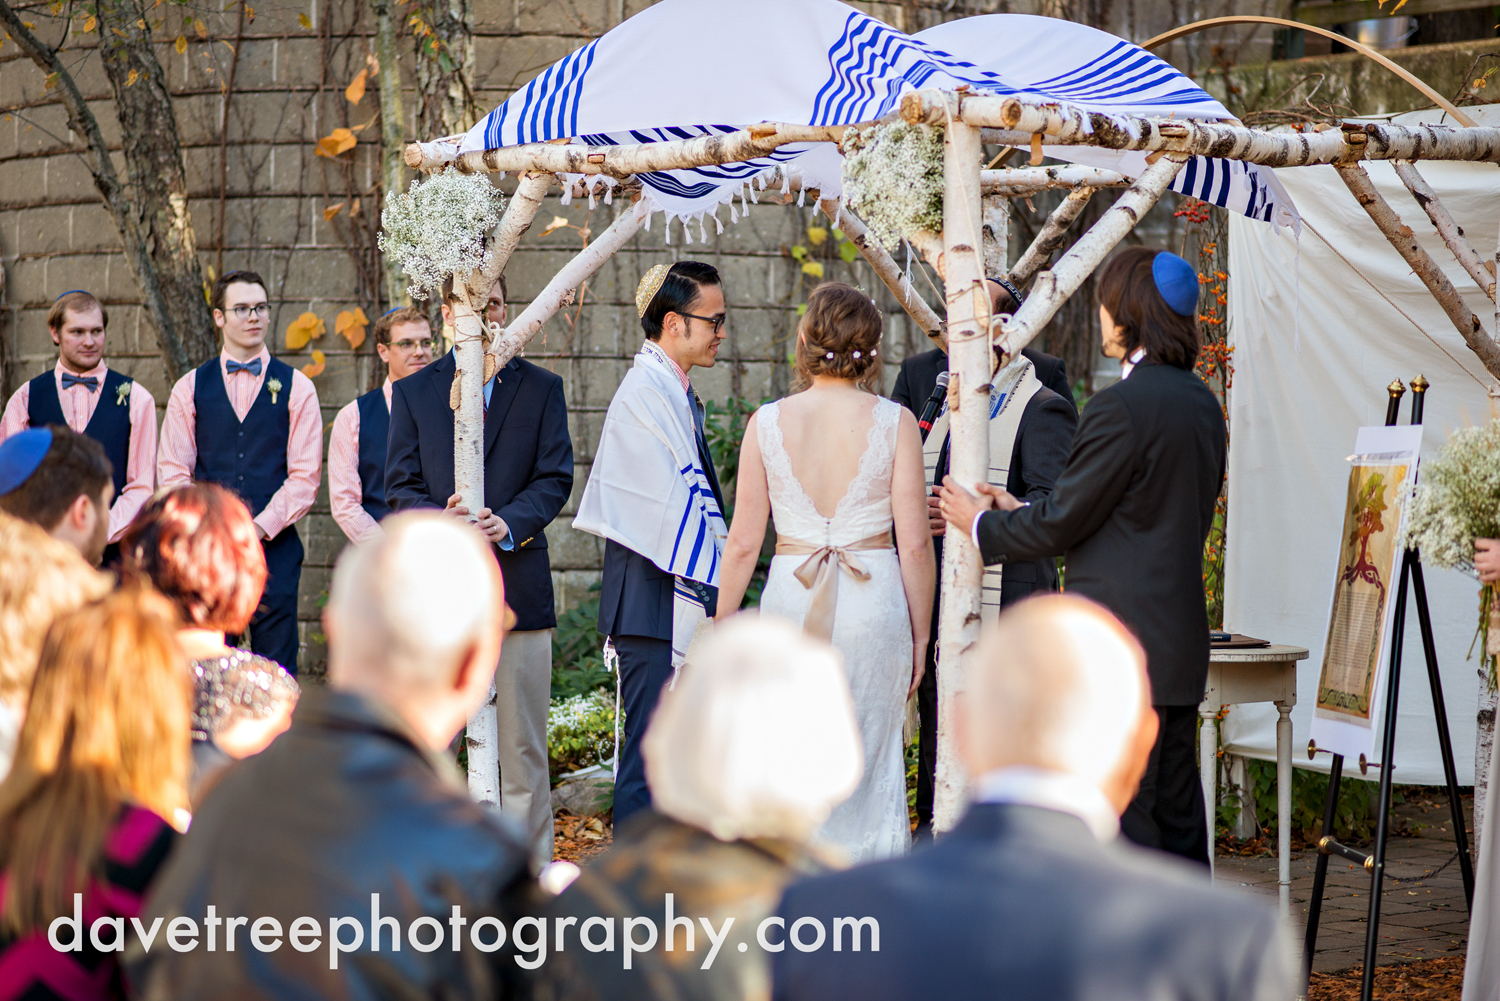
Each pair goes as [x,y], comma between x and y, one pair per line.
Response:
[1208,773]
[1284,805]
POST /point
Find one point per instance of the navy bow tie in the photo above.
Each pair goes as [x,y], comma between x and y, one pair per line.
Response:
[88,382]
[252,366]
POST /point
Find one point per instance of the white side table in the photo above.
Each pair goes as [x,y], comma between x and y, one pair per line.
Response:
[1254,674]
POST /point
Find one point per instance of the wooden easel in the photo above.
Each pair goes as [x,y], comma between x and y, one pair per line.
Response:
[1374,863]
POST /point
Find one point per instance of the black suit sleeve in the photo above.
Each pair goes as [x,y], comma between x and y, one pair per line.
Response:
[551,478]
[901,392]
[1044,446]
[405,488]
[1057,381]
[1099,470]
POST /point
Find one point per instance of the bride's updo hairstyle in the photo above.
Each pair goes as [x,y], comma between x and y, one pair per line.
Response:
[840,337]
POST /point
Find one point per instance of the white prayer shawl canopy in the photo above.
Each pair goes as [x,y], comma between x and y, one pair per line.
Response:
[681,67]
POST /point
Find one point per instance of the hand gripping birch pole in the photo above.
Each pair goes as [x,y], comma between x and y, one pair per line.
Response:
[970,363]
[1400,236]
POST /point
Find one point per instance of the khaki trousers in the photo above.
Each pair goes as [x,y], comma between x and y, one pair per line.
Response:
[523,695]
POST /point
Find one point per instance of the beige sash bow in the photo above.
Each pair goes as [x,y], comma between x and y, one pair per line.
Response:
[819,573]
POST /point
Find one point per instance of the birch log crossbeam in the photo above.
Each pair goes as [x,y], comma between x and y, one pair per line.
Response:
[621,161]
[1029,180]
[559,291]
[1479,269]
[1052,288]
[1067,125]
[1051,237]
[1400,236]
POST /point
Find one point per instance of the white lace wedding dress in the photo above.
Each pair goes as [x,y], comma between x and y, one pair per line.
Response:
[871,626]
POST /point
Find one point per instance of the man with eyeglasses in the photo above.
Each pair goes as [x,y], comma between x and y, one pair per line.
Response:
[528,475]
[356,449]
[251,423]
[654,497]
[85,394]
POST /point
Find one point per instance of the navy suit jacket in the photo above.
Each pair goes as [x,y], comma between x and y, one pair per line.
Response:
[526,481]
[1022,903]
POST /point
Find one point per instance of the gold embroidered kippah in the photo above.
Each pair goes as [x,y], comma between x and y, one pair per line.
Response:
[649,286]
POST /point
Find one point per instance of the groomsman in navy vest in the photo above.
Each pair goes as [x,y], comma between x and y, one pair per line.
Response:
[528,475]
[89,397]
[251,423]
[356,449]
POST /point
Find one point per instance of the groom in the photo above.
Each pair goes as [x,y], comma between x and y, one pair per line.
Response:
[654,497]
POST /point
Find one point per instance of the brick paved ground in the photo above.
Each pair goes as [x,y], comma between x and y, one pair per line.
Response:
[1421,917]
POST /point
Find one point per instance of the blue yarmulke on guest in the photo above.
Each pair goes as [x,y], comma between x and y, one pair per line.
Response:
[20,454]
[1177,282]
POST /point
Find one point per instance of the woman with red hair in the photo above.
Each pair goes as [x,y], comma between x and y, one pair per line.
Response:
[198,546]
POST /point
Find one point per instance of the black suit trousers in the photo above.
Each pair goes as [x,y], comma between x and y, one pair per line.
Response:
[1167,812]
[645,667]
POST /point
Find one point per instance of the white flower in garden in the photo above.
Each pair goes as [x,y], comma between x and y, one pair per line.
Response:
[438,227]
[893,177]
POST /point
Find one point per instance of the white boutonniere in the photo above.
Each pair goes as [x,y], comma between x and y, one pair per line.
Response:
[274,385]
[122,394]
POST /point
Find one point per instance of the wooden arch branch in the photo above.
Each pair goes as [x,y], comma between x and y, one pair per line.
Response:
[1469,326]
[887,270]
[1364,50]
[1482,271]
[1051,237]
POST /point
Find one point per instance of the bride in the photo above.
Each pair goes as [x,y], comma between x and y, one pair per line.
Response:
[838,467]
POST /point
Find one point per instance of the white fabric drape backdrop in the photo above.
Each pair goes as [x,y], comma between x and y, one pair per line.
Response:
[1301,391]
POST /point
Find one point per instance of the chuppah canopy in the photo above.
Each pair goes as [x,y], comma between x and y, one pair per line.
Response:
[679,67]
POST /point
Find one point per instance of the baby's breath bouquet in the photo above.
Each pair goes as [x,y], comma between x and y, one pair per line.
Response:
[438,227]
[893,177]
[1457,502]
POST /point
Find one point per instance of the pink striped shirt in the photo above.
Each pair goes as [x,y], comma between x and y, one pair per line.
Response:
[345,488]
[304,448]
[78,406]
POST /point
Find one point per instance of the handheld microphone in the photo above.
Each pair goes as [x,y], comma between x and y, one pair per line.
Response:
[933,405]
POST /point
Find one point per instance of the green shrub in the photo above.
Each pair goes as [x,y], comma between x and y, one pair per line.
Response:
[578,652]
[580,731]
[1354,816]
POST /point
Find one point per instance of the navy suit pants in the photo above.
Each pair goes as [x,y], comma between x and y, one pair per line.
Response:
[273,628]
[645,667]
[1167,812]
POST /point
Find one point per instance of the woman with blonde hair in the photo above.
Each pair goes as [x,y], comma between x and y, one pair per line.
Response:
[88,810]
[840,471]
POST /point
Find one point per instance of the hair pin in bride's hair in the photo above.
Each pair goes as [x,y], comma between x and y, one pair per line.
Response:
[829,356]
[856,355]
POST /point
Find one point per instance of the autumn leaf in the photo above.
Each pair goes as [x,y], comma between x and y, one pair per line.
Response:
[351,324]
[181,45]
[29,25]
[303,329]
[250,14]
[200,27]
[816,235]
[814,268]
[305,21]
[314,368]
[336,142]
[140,23]
[51,81]
[848,251]
[90,24]
[355,92]
[132,78]
[557,223]
[332,211]
[354,208]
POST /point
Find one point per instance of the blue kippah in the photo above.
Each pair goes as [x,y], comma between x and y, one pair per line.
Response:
[1177,282]
[20,454]
[390,311]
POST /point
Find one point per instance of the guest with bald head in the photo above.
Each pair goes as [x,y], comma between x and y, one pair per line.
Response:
[1032,895]
[359,798]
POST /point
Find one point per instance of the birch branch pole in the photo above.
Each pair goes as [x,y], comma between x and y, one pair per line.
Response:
[620,161]
[1481,271]
[1051,237]
[886,269]
[559,291]
[1022,181]
[1469,327]
[1052,288]
[970,363]
[523,207]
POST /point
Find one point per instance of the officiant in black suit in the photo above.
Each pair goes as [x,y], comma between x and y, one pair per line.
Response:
[1033,897]
[1037,457]
[1131,513]
[528,475]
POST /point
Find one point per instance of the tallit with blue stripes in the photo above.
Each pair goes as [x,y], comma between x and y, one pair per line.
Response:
[647,489]
[680,66]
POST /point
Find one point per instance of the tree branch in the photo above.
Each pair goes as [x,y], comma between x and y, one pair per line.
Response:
[1052,236]
[886,269]
[1452,235]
